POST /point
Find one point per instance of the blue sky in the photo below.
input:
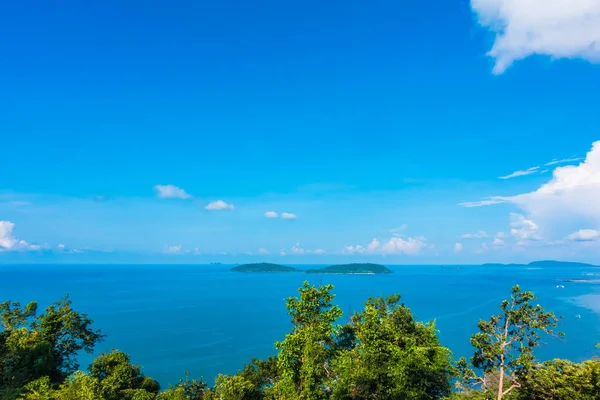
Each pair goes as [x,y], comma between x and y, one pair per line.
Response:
[153,132]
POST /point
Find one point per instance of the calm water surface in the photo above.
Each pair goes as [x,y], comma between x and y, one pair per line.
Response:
[205,319]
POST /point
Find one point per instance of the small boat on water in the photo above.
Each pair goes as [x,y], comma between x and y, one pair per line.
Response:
[578,316]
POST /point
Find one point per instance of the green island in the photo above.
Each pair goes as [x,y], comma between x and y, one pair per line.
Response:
[263,267]
[358,268]
[545,264]
[381,352]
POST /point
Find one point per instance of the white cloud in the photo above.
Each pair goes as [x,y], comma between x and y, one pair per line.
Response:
[170,192]
[395,245]
[568,199]
[61,246]
[486,202]
[218,205]
[528,171]
[262,250]
[478,235]
[498,242]
[557,28]
[358,249]
[288,216]
[399,229]
[174,249]
[297,249]
[523,229]
[9,243]
[584,235]
[458,247]
[271,214]
[563,161]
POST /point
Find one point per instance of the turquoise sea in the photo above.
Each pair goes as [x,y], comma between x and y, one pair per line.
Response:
[205,319]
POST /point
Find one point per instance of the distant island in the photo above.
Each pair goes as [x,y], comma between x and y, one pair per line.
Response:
[263,267]
[545,264]
[366,268]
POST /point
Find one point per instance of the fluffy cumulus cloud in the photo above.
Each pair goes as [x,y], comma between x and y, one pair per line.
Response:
[567,201]
[557,28]
[395,245]
[523,229]
[218,206]
[286,215]
[271,214]
[584,235]
[9,243]
[170,192]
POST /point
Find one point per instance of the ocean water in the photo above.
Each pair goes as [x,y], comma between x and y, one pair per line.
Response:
[205,319]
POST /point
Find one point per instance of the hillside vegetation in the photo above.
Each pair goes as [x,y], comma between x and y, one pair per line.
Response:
[383,352]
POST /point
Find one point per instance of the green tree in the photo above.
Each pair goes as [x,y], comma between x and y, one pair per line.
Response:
[120,379]
[395,357]
[504,345]
[233,387]
[306,352]
[33,346]
[562,380]
[187,389]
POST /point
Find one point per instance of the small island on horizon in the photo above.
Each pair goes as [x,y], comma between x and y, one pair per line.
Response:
[263,267]
[356,268]
[544,264]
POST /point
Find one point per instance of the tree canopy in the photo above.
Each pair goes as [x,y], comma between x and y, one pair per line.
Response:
[381,352]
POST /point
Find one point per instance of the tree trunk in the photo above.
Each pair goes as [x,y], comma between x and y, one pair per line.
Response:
[500,383]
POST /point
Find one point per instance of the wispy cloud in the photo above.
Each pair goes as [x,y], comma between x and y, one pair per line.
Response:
[478,235]
[485,202]
[458,247]
[525,172]
[558,28]
[174,249]
[170,192]
[218,206]
[286,215]
[563,161]
[297,249]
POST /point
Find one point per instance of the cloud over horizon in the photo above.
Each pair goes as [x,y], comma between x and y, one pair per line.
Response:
[9,243]
[394,246]
[558,29]
[170,192]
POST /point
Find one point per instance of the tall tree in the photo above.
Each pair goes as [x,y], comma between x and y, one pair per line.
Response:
[504,345]
[395,357]
[306,352]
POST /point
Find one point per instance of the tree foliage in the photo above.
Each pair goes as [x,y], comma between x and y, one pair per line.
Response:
[382,353]
[505,343]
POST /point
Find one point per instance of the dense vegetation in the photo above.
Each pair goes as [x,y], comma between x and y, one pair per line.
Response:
[382,352]
[263,267]
[365,268]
